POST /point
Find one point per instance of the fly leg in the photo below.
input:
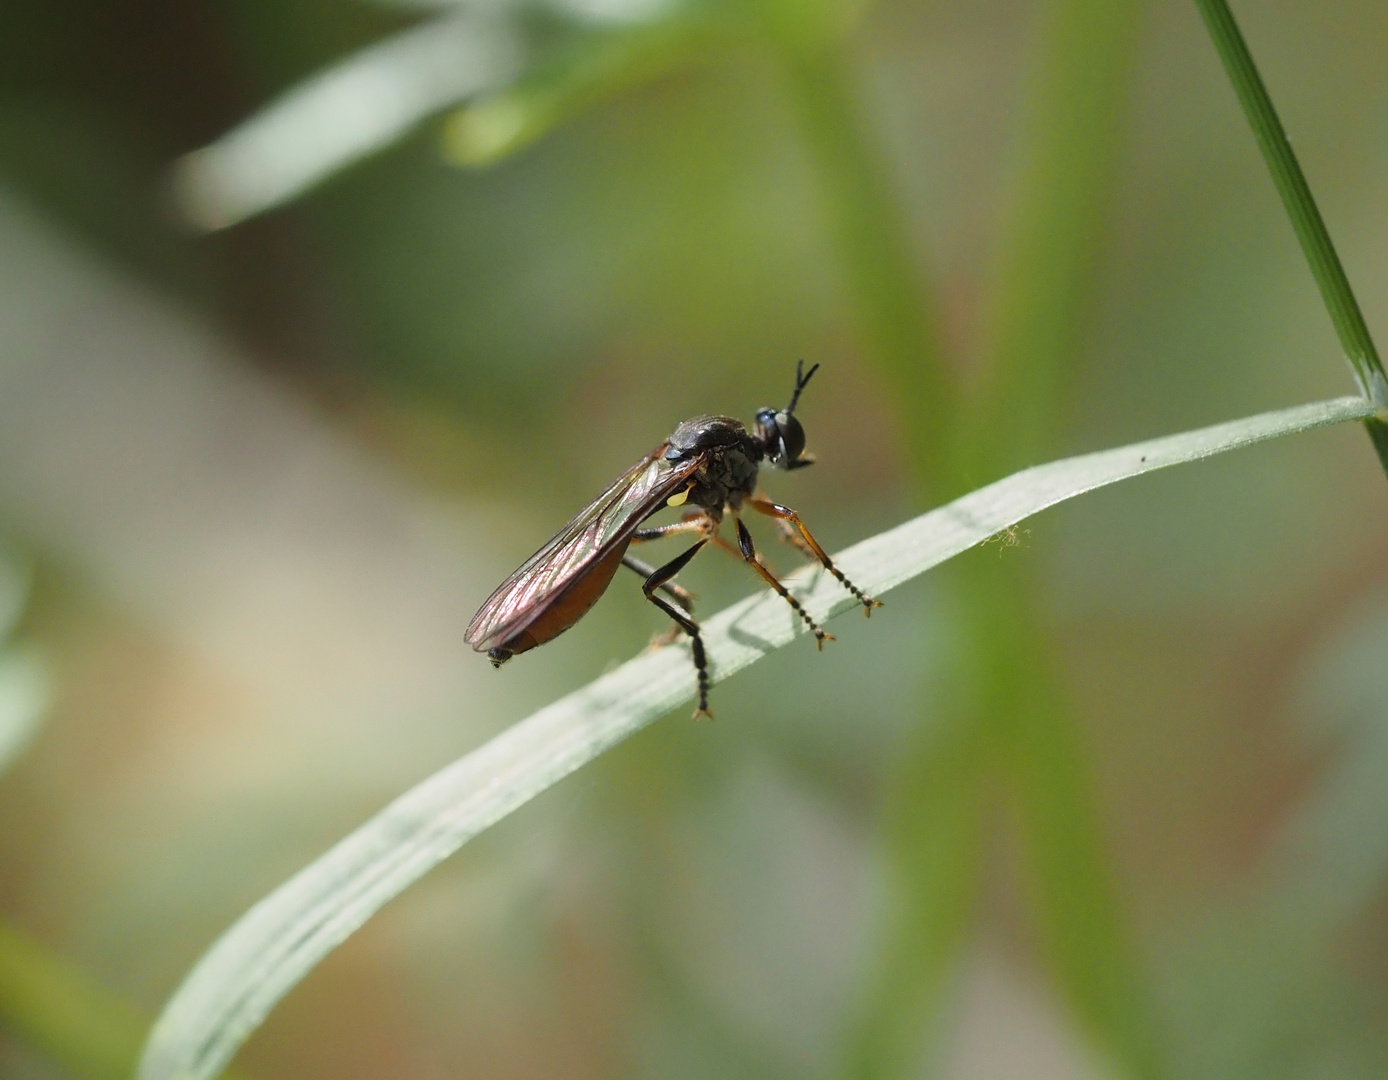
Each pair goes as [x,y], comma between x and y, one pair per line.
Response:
[788,533]
[786,514]
[730,547]
[682,619]
[794,539]
[693,522]
[745,550]
[737,553]
[681,596]
[749,552]
[698,521]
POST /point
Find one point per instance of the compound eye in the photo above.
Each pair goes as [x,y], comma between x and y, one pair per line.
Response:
[792,436]
[769,435]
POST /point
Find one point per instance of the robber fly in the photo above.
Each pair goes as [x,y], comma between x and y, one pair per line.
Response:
[709,464]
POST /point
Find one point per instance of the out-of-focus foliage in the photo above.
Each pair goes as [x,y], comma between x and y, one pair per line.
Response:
[1053,814]
[24,677]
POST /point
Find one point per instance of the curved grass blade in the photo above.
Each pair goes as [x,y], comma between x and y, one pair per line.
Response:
[342,114]
[283,937]
[25,681]
[25,693]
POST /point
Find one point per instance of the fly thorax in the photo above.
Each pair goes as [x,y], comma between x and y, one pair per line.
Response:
[727,475]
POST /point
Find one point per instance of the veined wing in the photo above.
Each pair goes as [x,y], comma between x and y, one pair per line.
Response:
[609,519]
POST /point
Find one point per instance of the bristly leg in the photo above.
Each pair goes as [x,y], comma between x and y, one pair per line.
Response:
[786,514]
[749,552]
[698,521]
[688,625]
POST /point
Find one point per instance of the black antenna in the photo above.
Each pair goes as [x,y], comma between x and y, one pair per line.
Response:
[800,381]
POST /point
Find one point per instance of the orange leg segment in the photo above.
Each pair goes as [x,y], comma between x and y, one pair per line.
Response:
[792,519]
[748,552]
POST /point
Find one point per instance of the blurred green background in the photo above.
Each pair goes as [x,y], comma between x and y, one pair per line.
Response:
[1103,800]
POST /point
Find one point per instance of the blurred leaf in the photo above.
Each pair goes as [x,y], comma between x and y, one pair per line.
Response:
[1247,1001]
[1085,938]
[935,839]
[1074,122]
[24,697]
[24,678]
[1331,858]
[881,275]
[344,113]
[581,73]
[236,984]
[14,593]
[1259,993]
[61,1011]
[1006,707]
[1070,136]
[375,96]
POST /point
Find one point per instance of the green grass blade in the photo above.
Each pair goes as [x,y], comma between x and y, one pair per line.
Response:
[25,692]
[60,1011]
[883,282]
[1044,291]
[1071,132]
[236,984]
[488,131]
[1305,215]
[934,835]
[1084,936]
[342,114]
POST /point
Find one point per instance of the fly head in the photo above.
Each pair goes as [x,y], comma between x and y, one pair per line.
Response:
[779,433]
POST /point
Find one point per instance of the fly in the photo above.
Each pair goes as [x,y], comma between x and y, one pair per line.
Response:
[709,464]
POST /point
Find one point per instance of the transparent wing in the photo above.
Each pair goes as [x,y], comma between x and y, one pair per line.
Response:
[609,519]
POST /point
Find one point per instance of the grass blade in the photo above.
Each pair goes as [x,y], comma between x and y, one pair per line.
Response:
[881,276]
[1305,216]
[342,114]
[266,953]
[66,1015]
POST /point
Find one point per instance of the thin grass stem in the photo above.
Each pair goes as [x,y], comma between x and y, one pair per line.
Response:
[1305,215]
